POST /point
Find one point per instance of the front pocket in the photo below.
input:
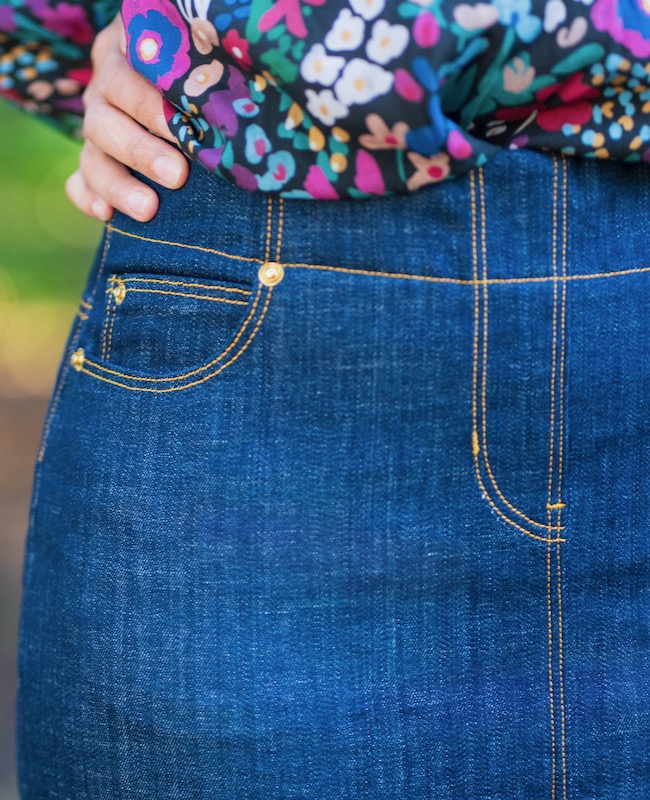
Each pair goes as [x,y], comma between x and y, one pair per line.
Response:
[162,333]
[160,325]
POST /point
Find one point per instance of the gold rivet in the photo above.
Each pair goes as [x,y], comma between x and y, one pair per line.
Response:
[77,359]
[271,273]
[119,291]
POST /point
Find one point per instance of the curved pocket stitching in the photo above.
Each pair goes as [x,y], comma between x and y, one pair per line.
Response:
[480,444]
[183,377]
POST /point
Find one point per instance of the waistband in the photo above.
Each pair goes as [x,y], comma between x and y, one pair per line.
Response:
[531,215]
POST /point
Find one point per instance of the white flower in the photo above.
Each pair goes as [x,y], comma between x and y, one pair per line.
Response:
[387,42]
[325,106]
[361,82]
[346,33]
[368,9]
[318,67]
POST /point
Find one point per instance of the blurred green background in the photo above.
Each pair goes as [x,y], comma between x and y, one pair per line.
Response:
[46,248]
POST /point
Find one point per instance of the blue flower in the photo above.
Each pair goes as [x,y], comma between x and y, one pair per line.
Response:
[516,14]
[241,11]
[257,144]
[281,168]
[158,41]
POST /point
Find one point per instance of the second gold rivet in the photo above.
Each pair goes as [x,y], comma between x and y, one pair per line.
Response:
[77,359]
[119,291]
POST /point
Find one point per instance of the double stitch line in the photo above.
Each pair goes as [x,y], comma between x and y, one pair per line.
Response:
[96,369]
[480,443]
[133,290]
[586,276]
[65,371]
[182,386]
[555,505]
[107,315]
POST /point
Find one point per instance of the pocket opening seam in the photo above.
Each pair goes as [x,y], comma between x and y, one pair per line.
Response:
[186,294]
[190,284]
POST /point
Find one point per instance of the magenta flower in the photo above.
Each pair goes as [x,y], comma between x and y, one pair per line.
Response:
[626,21]
[7,20]
[68,21]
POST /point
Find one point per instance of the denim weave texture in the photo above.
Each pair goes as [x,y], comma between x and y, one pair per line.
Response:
[376,532]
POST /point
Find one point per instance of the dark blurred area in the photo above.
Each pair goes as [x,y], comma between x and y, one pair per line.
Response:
[46,247]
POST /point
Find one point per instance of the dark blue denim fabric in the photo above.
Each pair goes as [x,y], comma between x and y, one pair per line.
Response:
[377,531]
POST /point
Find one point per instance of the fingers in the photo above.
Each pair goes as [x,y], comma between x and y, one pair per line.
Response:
[113,132]
[85,199]
[123,126]
[116,83]
[111,181]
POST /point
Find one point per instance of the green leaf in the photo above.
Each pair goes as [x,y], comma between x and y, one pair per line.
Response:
[279,65]
[583,57]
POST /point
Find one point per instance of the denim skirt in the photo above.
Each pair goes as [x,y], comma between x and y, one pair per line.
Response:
[350,501]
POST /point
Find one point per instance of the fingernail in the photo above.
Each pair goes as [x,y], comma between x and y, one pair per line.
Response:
[100,210]
[168,170]
[137,202]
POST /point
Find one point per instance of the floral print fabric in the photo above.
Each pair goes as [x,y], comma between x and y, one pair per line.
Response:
[361,98]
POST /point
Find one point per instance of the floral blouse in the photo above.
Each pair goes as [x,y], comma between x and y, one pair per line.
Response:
[355,98]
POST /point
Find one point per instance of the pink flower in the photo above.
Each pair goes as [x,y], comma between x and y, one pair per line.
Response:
[68,21]
[238,48]
[426,30]
[7,20]
[626,21]
[368,177]
[289,12]
[407,87]
[318,186]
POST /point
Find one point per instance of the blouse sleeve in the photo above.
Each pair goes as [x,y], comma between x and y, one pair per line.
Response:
[45,55]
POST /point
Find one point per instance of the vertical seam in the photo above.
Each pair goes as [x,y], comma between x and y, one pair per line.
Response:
[560,468]
[549,509]
[280,226]
[107,315]
[110,332]
[549,607]
[66,365]
[551,447]
[269,219]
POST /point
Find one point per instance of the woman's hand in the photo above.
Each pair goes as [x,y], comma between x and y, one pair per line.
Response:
[121,108]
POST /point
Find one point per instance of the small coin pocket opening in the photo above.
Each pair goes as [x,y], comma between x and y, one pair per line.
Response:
[159,325]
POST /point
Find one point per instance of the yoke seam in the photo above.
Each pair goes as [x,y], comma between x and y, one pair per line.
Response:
[397,275]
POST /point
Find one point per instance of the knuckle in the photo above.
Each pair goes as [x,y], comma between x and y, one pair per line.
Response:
[137,153]
[93,121]
[105,78]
